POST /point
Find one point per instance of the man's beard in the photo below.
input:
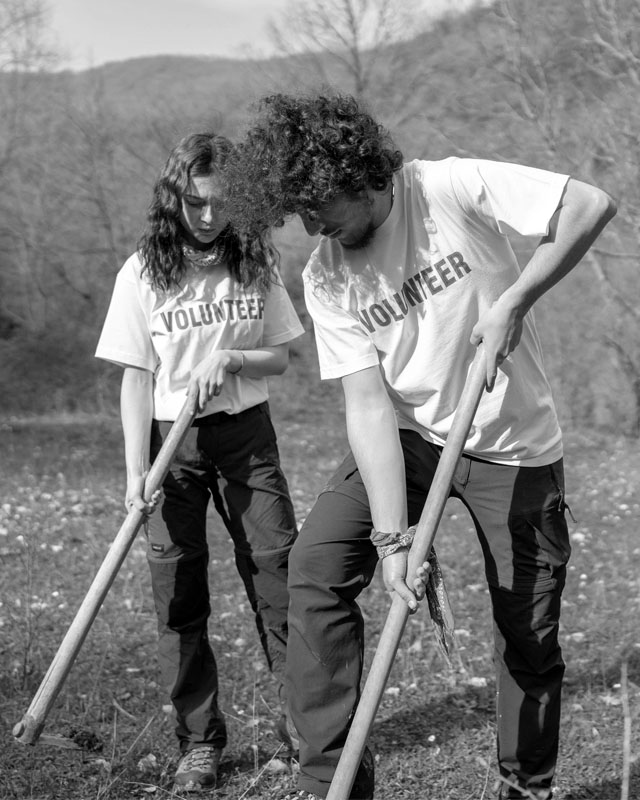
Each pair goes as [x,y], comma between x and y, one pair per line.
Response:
[363,241]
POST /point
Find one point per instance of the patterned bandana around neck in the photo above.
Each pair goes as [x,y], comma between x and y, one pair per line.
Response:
[200,259]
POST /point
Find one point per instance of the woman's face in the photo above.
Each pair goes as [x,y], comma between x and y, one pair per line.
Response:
[202,210]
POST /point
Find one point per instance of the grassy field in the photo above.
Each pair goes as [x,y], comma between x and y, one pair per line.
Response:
[61,505]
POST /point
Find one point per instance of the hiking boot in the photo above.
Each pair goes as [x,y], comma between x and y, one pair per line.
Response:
[514,793]
[302,795]
[527,794]
[288,735]
[198,769]
[364,781]
[362,788]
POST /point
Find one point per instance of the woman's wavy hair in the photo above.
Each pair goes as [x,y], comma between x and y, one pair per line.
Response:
[251,258]
[303,151]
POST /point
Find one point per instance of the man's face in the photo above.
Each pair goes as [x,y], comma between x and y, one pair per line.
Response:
[347,218]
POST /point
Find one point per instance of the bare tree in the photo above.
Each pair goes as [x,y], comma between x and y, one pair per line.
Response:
[23,43]
[347,36]
[573,73]
[357,46]
[24,50]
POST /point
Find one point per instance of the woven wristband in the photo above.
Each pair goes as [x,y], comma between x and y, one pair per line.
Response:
[388,543]
[382,538]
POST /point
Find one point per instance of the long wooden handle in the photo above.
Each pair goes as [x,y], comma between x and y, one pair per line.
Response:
[29,728]
[399,611]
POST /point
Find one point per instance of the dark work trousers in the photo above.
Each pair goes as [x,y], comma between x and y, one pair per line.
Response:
[519,517]
[234,460]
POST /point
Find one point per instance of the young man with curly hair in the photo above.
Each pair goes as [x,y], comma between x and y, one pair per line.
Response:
[412,271]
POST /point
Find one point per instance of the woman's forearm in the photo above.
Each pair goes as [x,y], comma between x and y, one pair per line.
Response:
[259,363]
[136,411]
[208,377]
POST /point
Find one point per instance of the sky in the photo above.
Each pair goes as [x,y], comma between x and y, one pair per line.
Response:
[91,32]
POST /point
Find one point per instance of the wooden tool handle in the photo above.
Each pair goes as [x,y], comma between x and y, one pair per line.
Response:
[29,728]
[397,617]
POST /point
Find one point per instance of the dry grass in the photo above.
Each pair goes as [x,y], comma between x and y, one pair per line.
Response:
[434,733]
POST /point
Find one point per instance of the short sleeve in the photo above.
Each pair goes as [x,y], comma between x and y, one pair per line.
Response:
[509,197]
[342,343]
[281,322]
[125,338]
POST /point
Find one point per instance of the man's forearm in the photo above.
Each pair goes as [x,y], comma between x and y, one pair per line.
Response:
[375,443]
[583,213]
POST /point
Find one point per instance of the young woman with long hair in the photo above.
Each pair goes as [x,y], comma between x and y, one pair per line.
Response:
[200,308]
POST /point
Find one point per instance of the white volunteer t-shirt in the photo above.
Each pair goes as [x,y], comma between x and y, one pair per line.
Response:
[170,333]
[409,301]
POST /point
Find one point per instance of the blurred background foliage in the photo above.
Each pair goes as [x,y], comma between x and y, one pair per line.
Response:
[554,85]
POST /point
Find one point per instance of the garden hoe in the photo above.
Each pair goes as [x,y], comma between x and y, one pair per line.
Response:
[29,729]
[399,611]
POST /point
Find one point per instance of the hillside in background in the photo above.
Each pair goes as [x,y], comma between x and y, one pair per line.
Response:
[552,85]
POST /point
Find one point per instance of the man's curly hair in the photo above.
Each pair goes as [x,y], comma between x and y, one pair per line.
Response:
[303,151]
[251,258]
